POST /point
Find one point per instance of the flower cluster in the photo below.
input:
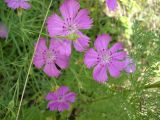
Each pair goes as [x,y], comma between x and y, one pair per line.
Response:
[64,31]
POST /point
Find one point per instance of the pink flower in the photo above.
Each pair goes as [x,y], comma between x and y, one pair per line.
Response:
[130,66]
[60,99]
[112,4]
[49,58]
[3,31]
[105,59]
[15,4]
[73,20]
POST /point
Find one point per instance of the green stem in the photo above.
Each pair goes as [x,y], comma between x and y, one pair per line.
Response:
[30,65]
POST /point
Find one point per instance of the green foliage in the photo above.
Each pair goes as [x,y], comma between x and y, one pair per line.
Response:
[129,97]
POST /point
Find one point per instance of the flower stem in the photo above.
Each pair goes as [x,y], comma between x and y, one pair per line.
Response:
[30,65]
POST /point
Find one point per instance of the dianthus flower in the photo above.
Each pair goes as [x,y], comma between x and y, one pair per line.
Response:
[105,59]
[15,4]
[60,99]
[50,58]
[69,25]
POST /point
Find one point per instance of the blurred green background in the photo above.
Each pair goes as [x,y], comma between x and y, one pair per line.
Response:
[134,96]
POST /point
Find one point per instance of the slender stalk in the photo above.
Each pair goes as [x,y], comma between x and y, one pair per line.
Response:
[29,69]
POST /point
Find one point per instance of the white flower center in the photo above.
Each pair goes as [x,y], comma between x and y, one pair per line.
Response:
[105,58]
[51,56]
[72,29]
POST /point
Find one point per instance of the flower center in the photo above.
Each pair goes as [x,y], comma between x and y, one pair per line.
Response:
[104,56]
[51,56]
[72,29]
[60,99]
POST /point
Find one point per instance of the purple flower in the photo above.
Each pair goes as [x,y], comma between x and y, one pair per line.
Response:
[3,31]
[130,66]
[73,20]
[15,4]
[112,4]
[49,58]
[60,99]
[105,59]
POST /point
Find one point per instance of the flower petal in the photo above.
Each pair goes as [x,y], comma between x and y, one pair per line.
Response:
[65,48]
[114,72]
[120,65]
[3,31]
[90,58]
[51,96]
[112,4]
[54,44]
[18,4]
[63,106]
[70,97]
[116,47]
[53,106]
[51,70]
[81,43]
[38,61]
[13,4]
[102,42]
[41,45]
[39,57]
[62,61]
[83,20]
[100,73]
[55,25]
[6,1]
[62,46]
[69,9]
[62,90]
[25,5]
[119,55]
[130,66]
